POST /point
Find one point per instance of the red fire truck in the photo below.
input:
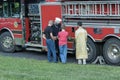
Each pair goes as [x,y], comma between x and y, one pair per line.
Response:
[23,21]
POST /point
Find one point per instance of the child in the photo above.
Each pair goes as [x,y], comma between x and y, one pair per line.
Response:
[62,36]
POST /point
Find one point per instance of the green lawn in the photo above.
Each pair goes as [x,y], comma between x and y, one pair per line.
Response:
[29,69]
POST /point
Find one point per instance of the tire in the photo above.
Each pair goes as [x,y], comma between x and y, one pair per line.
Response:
[111,51]
[6,42]
[92,51]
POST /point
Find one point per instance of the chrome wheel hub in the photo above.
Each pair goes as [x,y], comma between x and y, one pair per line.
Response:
[114,52]
[89,49]
[7,42]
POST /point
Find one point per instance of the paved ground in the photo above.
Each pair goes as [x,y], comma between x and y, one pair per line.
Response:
[35,55]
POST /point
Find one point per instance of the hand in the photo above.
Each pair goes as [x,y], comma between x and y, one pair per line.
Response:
[54,38]
[44,36]
[69,38]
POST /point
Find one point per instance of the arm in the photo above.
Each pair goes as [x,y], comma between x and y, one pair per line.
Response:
[51,35]
[86,36]
[44,36]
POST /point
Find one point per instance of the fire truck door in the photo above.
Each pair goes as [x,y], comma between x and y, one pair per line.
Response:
[49,12]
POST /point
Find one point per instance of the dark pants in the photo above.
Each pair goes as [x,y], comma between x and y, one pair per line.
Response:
[57,49]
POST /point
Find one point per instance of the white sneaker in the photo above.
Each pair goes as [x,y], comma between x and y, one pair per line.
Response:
[79,61]
[84,61]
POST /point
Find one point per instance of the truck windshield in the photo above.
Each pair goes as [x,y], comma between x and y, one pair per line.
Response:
[10,8]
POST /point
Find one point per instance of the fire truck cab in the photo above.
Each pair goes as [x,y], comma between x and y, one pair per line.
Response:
[22,23]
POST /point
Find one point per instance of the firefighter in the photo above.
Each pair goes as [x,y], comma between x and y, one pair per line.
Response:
[50,42]
[81,48]
[57,28]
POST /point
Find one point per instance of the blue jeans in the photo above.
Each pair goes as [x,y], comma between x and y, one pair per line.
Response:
[63,53]
[51,54]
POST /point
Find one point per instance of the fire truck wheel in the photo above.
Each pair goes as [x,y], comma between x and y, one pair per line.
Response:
[6,42]
[91,48]
[111,51]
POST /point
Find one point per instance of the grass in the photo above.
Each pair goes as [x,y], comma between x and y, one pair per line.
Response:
[29,69]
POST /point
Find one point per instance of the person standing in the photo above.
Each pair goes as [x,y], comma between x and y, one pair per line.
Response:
[50,42]
[81,48]
[62,36]
[57,28]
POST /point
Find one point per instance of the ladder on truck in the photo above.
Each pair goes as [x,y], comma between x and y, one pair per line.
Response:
[91,10]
